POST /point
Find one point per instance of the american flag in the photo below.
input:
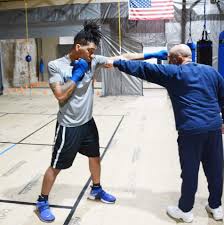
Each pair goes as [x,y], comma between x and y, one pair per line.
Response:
[150,9]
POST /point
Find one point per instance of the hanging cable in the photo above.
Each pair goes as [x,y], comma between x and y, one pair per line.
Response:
[28,57]
[119,36]
[26,24]
[205,33]
[190,42]
[190,38]
[119,24]
[205,15]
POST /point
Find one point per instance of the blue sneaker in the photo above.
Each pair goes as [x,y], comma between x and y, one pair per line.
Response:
[44,211]
[97,193]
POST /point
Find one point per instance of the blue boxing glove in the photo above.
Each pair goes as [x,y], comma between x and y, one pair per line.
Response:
[79,68]
[159,55]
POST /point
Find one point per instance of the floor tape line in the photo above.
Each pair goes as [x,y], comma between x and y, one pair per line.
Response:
[7,149]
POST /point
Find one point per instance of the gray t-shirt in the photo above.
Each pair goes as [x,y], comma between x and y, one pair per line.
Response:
[78,109]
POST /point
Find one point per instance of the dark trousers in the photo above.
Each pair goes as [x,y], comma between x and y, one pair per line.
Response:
[208,149]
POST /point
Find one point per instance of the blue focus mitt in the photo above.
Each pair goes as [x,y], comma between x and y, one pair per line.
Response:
[79,68]
[158,55]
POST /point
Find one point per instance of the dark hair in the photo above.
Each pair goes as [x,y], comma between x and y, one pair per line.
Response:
[90,33]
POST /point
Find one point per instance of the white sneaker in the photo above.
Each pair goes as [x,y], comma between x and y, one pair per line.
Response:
[217,213]
[176,213]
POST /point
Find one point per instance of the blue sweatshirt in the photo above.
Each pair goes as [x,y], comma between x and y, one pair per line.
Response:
[196,92]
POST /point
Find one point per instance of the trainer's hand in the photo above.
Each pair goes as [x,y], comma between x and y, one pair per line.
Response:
[79,68]
[159,55]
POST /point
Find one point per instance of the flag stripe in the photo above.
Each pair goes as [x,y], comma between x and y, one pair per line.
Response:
[152,10]
[152,14]
[163,1]
[151,17]
[161,5]
[146,18]
[154,6]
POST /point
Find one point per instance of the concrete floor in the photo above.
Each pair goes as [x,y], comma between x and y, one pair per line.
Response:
[140,164]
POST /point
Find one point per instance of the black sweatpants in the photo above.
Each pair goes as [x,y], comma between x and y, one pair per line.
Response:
[208,149]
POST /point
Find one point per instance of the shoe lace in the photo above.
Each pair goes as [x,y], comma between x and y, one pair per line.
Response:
[103,193]
[44,207]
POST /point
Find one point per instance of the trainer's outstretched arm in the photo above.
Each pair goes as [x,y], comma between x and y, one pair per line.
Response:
[158,74]
[138,56]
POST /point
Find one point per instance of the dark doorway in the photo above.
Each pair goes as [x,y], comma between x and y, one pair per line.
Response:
[1,81]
